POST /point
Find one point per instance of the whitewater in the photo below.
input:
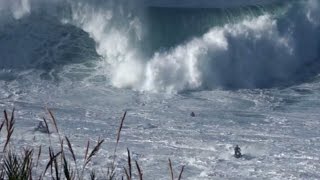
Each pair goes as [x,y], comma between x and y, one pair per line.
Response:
[249,70]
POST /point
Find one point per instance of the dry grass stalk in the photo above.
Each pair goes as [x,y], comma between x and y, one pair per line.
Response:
[46,124]
[38,157]
[118,138]
[120,127]
[139,170]
[171,170]
[18,168]
[72,153]
[118,134]
[47,127]
[87,150]
[57,129]
[92,175]
[68,173]
[129,164]
[53,120]
[9,126]
[126,173]
[2,174]
[53,158]
[71,150]
[180,175]
[2,124]
[93,152]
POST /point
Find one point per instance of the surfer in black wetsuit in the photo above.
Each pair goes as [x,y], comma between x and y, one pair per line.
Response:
[237,152]
[42,128]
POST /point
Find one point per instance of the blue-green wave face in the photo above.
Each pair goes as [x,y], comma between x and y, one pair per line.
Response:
[170,26]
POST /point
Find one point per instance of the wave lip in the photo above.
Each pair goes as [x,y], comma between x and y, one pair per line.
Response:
[209,4]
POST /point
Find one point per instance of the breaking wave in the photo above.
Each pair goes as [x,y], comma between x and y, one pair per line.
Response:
[172,49]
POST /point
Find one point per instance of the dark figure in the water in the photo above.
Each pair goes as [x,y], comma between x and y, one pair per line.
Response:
[237,152]
[193,114]
[42,128]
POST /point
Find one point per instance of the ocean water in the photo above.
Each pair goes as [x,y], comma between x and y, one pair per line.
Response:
[249,70]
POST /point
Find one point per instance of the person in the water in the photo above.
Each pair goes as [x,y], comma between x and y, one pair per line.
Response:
[237,152]
[42,128]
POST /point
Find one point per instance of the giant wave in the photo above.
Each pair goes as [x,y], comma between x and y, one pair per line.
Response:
[173,49]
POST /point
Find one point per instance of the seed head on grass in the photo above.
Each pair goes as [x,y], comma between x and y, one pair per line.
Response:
[118,138]
[93,152]
[9,126]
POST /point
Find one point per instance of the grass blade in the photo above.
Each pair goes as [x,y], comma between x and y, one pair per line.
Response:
[171,170]
[9,126]
[70,149]
[139,171]
[53,120]
[87,150]
[121,125]
[180,175]
[129,164]
[2,124]
[118,138]
[38,157]
[46,124]
[126,173]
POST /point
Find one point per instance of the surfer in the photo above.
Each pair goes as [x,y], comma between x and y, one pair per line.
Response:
[42,128]
[237,152]
[192,114]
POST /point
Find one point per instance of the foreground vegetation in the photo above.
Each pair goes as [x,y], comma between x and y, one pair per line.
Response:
[61,162]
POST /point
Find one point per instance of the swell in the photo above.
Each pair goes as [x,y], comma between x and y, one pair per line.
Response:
[43,42]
